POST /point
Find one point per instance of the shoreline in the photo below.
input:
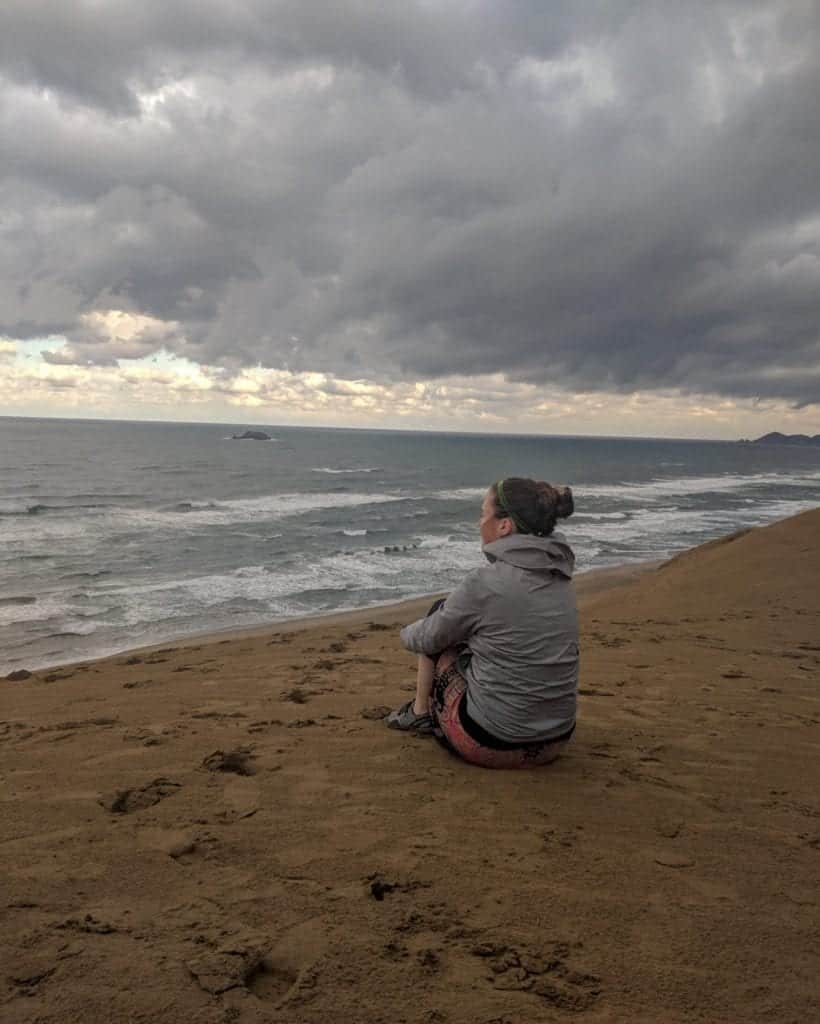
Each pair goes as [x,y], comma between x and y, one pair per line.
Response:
[588,584]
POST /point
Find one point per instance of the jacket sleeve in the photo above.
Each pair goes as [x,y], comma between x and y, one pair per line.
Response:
[455,621]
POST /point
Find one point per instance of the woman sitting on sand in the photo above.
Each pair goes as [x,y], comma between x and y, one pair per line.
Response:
[498,659]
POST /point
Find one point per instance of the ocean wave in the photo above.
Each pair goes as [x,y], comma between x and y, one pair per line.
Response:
[23,510]
[258,509]
[63,633]
[106,498]
[57,530]
[691,485]
[191,506]
[669,529]
[459,494]
[91,575]
[356,531]
[40,508]
[599,515]
[283,591]
[46,608]
[331,469]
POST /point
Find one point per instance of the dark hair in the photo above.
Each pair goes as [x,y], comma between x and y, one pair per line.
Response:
[533,505]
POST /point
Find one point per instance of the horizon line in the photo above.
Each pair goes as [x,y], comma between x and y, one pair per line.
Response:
[387,430]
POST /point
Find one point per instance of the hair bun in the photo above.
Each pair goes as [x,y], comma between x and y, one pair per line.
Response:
[564,504]
[533,505]
[555,500]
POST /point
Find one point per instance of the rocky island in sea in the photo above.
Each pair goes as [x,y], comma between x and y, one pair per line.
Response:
[775,437]
[252,435]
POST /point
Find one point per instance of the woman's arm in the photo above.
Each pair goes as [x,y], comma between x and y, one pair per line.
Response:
[455,621]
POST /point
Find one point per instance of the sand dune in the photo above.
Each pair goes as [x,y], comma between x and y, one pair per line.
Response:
[225,831]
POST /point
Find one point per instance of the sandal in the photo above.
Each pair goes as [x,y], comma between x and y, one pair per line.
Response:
[406,719]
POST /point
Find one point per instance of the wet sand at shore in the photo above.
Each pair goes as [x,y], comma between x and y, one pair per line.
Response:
[224,830]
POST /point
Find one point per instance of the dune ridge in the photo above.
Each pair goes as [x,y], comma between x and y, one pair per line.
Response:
[225,831]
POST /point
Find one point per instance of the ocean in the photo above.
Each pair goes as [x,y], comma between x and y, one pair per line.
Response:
[115,535]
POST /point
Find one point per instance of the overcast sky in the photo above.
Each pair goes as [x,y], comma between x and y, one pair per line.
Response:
[574,217]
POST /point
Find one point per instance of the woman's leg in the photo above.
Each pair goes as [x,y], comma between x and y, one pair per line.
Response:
[424,684]
[416,713]
[424,677]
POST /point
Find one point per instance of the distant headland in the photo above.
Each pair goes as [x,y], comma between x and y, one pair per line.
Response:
[252,435]
[777,438]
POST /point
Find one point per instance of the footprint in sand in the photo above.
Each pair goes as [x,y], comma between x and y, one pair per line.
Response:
[327,665]
[270,982]
[127,801]
[377,713]
[173,842]
[137,683]
[240,796]
[238,761]
[545,973]
[273,973]
[240,799]
[668,859]
[296,695]
[29,973]
[669,828]
[281,638]
[234,965]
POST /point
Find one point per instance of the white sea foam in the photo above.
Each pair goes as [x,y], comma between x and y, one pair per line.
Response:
[670,529]
[459,494]
[435,564]
[334,470]
[279,506]
[695,485]
[57,530]
[599,515]
[17,614]
[10,507]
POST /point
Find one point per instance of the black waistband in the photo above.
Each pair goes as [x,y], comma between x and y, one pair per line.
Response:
[486,739]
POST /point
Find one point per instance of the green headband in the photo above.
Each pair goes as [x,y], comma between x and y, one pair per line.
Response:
[520,525]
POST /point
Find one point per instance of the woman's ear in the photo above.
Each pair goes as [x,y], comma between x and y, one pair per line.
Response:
[505,526]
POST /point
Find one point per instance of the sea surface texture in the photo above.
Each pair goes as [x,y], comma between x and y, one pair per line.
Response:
[114,535]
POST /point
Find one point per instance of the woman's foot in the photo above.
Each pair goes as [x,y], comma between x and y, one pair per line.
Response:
[406,719]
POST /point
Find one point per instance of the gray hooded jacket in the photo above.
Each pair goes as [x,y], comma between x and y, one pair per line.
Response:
[518,617]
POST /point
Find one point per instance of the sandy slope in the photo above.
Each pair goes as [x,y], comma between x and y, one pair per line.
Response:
[324,869]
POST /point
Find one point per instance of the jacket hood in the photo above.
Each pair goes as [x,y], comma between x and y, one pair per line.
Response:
[540,554]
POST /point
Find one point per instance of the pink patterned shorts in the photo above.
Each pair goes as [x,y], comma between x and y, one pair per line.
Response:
[449,689]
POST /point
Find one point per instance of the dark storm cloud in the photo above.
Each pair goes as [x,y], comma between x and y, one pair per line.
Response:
[597,196]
